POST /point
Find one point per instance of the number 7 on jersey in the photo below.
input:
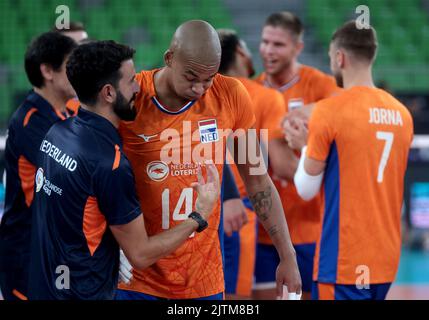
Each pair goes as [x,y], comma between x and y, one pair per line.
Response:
[388,138]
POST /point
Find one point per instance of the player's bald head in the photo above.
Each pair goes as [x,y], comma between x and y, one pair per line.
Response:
[196,41]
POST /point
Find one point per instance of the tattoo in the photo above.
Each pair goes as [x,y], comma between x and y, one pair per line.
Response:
[272,231]
[262,203]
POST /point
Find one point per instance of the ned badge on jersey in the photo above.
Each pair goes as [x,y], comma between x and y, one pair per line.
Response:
[295,103]
[208,131]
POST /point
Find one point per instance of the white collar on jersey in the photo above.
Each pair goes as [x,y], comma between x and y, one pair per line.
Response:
[160,106]
[286,86]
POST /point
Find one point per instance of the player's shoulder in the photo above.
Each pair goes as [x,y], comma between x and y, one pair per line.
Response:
[393,102]
[336,100]
[224,86]
[313,74]
[145,78]
[224,82]
[258,90]
[28,117]
[260,78]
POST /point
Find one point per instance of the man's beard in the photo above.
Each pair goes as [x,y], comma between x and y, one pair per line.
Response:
[339,79]
[123,109]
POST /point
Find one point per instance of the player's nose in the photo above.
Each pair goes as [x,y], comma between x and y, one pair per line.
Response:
[198,88]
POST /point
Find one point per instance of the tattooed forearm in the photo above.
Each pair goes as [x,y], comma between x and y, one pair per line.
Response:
[262,203]
[272,231]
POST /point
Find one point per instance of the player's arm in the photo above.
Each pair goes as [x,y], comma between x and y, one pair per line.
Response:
[283,160]
[142,250]
[309,176]
[268,207]
[314,144]
[233,209]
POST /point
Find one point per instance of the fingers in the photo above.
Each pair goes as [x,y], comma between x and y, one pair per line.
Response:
[212,174]
[236,224]
[279,289]
[227,228]
[200,177]
[244,217]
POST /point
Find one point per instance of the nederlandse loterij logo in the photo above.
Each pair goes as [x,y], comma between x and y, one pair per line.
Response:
[39,179]
[157,170]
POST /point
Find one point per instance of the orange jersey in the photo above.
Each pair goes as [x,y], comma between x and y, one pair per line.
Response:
[269,109]
[303,217]
[363,135]
[165,149]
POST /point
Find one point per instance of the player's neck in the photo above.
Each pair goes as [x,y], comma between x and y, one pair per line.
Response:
[358,77]
[54,99]
[237,72]
[165,93]
[105,112]
[284,76]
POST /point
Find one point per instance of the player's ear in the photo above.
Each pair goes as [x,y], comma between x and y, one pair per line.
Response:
[168,58]
[339,58]
[240,51]
[108,93]
[299,47]
[47,71]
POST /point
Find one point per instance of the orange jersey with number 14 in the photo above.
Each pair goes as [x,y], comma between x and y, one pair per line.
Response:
[165,149]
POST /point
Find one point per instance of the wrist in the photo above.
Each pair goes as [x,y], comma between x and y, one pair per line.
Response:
[200,220]
[203,211]
[287,254]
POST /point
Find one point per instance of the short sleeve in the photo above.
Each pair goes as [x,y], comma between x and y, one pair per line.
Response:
[114,188]
[321,131]
[241,106]
[30,135]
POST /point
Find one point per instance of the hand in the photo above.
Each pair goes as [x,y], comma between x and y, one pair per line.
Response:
[296,133]
[287,274]
[302,113]
[234,216]
[208,192]
[125,268]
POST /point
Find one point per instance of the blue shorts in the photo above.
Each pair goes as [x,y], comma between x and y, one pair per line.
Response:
[332,291]
[267,260]
[240,256]
[134,295]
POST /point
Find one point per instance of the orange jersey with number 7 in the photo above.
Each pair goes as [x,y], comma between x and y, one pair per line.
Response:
[165,149]
[364,135]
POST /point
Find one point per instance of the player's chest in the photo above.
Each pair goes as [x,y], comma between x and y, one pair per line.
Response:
[298,96]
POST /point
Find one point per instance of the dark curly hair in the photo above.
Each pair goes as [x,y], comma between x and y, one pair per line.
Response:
[95,64]
[49,48]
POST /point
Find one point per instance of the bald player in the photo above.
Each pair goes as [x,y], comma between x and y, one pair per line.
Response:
[300,85]
[268,107]
[184,113]
[358,144]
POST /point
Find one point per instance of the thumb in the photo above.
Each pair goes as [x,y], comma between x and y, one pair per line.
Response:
[279,289]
